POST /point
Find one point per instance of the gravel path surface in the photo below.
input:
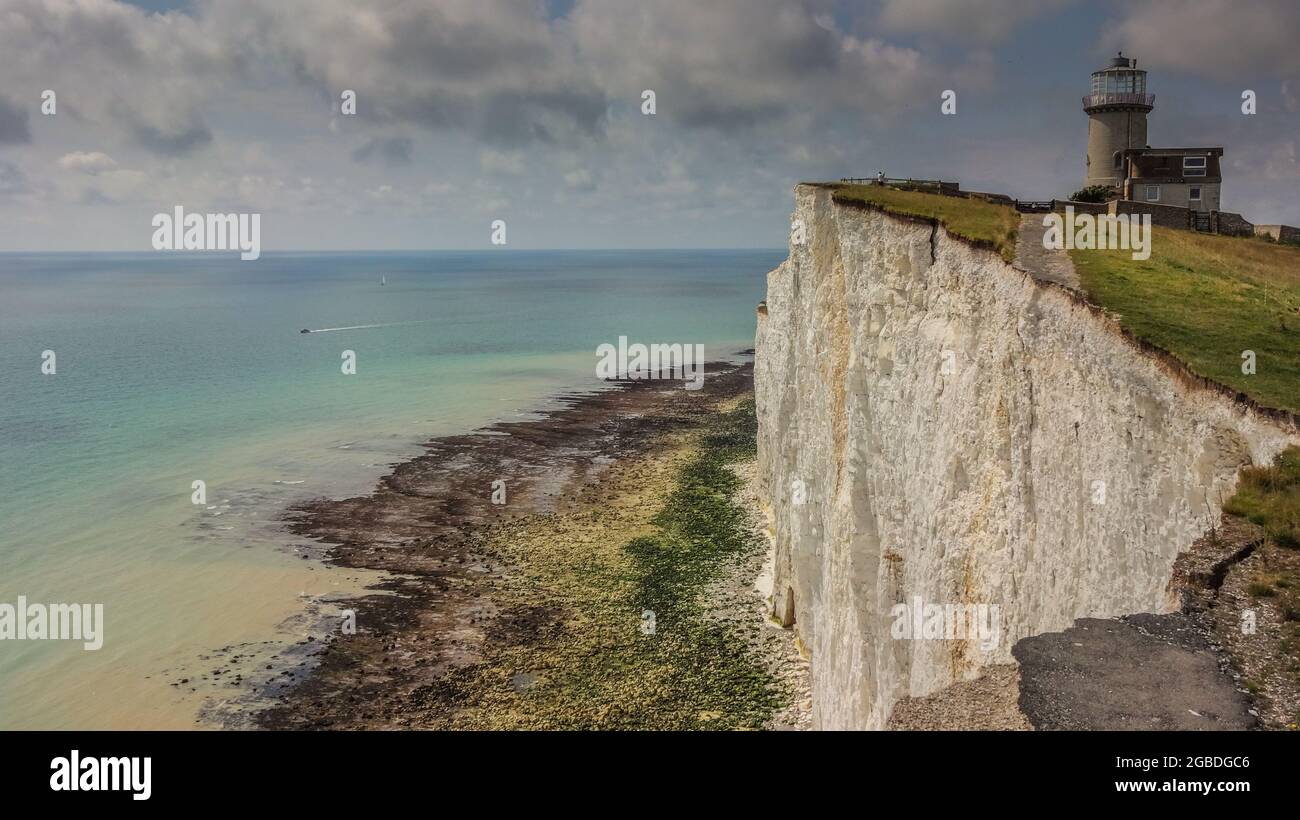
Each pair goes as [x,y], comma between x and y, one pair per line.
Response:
[1049,266]
[1140,672]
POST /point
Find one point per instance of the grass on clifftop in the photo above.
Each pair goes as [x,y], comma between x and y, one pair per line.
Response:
[1206,299]
[1270,496]
[984,223]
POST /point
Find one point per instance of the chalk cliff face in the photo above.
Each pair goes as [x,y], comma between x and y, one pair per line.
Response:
[969,435]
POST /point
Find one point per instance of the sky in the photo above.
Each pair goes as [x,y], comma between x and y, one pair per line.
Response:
[531,112]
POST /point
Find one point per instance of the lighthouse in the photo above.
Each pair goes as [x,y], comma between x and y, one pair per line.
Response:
[1117,112]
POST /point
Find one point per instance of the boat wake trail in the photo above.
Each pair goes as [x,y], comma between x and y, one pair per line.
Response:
[358,327]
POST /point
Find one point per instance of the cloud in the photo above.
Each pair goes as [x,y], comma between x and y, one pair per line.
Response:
[737,65]
[500,71]
[116,66]
[91,163]
[1210,38]
[496,69]
[983,23]
[94,196]
[13,123]
[12,180]
[173,142]
[529,102]
[392,150]
[510,163]
[1290,97]
[579,179]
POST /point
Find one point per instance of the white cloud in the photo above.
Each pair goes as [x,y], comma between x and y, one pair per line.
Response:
[235,104]
[91,163]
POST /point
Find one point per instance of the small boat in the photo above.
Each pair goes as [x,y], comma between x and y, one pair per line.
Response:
[304,330]
[383,280]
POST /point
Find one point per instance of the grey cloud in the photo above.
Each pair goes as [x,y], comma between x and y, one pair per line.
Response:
[700,112]
[94,196]
[985,22]
[393,150]
[496,69]
[112,64]
[1211,38]
[516,118]
[173,142]
[751,95]
[506,117]
[579,179]
[457,46]
[12,180]
[736,65]
[13,123]
[432,109]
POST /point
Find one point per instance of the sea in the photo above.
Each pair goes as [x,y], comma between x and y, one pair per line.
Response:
[127,379]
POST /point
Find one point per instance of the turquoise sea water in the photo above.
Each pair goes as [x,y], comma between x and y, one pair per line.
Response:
[173,368]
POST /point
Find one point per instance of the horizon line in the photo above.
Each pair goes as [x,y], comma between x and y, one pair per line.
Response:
[382,250]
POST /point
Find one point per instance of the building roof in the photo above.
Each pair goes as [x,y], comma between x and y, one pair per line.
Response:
[1119,61]
[1175,152]
[1169,165]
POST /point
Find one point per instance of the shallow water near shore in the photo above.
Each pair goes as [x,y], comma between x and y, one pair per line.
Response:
[175,368]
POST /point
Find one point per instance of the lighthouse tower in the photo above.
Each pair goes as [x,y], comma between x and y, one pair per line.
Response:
[1117,112]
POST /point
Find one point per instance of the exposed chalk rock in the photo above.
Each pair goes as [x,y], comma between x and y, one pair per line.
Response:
[949,419]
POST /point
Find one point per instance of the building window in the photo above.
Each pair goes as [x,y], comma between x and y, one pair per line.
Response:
[1153,193]
[1193,166]
[1194,194]
[1118,160]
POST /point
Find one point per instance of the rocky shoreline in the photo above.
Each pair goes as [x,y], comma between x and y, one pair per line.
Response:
[589,599]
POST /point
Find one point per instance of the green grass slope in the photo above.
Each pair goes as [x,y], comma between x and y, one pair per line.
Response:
[1207,299]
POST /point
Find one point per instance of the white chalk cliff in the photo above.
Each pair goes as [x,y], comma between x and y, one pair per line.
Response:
[949,417]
